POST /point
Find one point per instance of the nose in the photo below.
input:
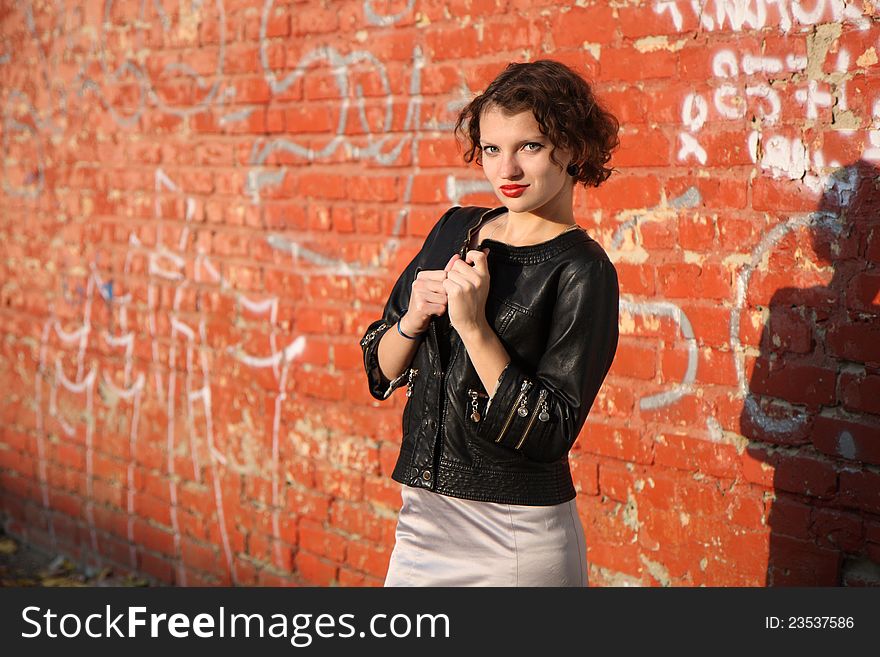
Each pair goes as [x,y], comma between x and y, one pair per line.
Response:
[509,168]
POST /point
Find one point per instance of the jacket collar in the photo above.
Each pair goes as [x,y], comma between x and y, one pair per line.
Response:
[526,255]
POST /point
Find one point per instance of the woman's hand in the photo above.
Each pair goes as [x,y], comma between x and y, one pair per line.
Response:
[467,287]
[427,297]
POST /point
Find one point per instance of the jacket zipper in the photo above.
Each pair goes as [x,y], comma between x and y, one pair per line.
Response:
[372,334]
[475,415]
[463,250]
[409,385]
[541,396]
[526,384]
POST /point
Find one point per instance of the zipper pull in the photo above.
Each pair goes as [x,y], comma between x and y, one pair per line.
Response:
[409,385]
[541,403]
[544,415]
[475,410]
[523,409]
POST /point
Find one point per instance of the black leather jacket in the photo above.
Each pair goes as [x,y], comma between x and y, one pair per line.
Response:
[554,306]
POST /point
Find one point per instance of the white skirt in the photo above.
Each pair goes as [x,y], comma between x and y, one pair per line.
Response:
[447,541]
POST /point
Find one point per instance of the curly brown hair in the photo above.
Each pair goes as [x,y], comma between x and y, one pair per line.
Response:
[565,108]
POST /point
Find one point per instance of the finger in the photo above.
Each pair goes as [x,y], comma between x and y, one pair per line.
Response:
[435,297]
[452,286]
[477,258]
[435,308]
[435,286]
[431,275]
[467,271]
[451,262]
[462,279]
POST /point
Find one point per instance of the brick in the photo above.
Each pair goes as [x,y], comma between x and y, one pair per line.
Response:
[685,411]
[584,473]
[793,562]
[633,360]
[154,538]
[158,568]
[660,234]
[860,393]
[687,453]
[314,570]
[362,521]
[642,21]
[737,233]
[641,146]
[747,510]
[860,490]
[615,399]
[858,341]
[683,280]
[627,64]
[856,441]
[371,559]
[443,43]
[617,442]
[696,232]
[726,148]
[782,196]
[595,24]
[629,105]
[308,503]
[794,382]
[836,529]
[804,475]
[625,191]
[316,539]
[635,279]
[616,483]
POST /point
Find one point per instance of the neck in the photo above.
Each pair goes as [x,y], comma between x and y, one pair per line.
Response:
[550,219]
[525,227]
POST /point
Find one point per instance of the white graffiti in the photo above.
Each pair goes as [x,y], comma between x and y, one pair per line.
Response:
[187,351]
[671,311]
[160,87]
[739,15]
[626,244]
[778,154]
[840,189]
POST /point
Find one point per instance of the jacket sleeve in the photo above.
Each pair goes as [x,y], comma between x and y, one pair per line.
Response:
[398,301]
[542,411]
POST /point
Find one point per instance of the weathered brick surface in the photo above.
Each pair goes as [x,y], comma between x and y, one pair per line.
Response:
[200,212]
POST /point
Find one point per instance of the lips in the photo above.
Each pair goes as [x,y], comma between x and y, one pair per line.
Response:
[513,190]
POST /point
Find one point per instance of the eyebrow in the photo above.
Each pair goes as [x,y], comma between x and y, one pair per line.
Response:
[524,141]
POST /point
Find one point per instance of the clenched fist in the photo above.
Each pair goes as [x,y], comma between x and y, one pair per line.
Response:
[427,297]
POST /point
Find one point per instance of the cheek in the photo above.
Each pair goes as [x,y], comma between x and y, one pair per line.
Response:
[489,167]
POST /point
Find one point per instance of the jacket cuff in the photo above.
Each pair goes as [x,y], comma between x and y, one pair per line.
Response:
[513,416]
[379,385]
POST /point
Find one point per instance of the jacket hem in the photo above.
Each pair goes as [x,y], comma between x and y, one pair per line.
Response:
[497,486]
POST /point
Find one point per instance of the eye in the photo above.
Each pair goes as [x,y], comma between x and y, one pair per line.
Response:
[532,147]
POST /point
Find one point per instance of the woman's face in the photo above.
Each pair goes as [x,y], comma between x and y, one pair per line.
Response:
[514,152]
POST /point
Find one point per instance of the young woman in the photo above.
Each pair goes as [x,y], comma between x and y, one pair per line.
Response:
[502,328]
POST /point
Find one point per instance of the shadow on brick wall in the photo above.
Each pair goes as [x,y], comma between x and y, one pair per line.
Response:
[812,403]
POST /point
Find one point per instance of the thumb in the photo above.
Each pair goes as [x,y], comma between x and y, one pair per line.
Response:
[480,262]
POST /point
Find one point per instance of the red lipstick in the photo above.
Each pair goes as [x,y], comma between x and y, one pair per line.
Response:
[513,191]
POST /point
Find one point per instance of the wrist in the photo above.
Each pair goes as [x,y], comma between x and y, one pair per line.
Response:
[475,332]
[408,327]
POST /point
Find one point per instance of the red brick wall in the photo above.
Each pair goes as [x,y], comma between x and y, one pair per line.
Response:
[203,208]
